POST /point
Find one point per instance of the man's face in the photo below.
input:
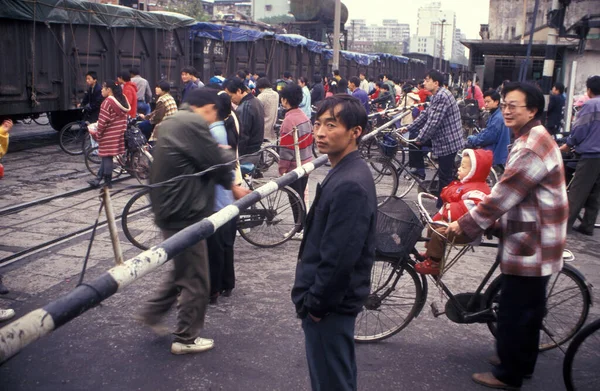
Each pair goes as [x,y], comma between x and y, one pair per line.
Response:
[120,81]
[385,78]
[352,86]
[514,110]
[236,97]
[490,104]
[333,138]
[362,77]
[89,80]
[208,112]
[185,77]
[430,85]
[158,91]
[554,91]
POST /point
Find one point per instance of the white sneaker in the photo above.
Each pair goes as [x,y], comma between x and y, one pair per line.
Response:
[199,345]
[6,314]
[298,236]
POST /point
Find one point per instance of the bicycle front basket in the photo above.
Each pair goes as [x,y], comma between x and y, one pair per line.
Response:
[388,146]
[398,228]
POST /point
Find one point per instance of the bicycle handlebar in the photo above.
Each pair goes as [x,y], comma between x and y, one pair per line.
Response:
[424,211]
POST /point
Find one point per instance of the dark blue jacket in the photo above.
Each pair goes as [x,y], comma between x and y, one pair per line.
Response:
[187,87]
[555,106]
[363,98]
[337,251]
[495,137]
[91,102]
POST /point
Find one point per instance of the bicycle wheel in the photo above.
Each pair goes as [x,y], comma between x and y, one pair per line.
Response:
[405,181]
[580,368]
[396,293]
[71,136]
[138,222]
[139,165]
[92,162]
[274,219]
[266,159]
[492,178]
[385,178]
[567,306]
[42,120]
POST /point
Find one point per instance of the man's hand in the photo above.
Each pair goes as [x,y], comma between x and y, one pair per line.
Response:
[142,116]
[239,191]
[454,229]
[314,318]
[564,148]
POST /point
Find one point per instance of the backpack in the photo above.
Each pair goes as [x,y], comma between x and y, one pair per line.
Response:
[134,138]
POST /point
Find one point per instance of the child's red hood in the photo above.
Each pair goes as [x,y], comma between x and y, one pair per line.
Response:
[481,164]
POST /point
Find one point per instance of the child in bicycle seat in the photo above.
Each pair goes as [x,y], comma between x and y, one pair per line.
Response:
[458,197]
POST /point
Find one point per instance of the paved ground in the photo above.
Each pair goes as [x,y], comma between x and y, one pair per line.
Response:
[259,343]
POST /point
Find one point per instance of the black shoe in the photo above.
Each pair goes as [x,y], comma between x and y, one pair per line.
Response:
[3,289]
[226,293]
[583,231]
[418,173]
[95,183]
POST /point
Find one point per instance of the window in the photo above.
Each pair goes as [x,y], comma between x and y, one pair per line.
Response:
[268,7]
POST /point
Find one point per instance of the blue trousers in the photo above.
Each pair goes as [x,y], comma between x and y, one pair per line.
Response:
[330,352]
[143,107]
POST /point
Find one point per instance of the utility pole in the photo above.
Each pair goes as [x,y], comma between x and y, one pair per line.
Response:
[525,63]
[442,45]
[336,35]
[553,24]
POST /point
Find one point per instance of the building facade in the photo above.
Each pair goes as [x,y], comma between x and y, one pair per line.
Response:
[440,26]
[390,32]
[268,8]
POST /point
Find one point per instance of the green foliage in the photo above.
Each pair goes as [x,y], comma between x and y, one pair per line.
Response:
[277,19]
[388,47]
[190,8]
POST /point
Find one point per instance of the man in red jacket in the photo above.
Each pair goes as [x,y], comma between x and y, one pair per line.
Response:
[130,92]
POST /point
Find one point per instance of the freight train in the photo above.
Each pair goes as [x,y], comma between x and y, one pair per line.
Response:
[48,46]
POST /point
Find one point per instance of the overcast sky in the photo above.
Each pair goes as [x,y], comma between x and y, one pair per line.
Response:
[469,14]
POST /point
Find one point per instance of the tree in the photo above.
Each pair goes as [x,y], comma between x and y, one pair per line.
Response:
[388,47]
[278,19]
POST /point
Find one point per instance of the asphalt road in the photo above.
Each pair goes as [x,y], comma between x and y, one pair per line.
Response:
[258,341]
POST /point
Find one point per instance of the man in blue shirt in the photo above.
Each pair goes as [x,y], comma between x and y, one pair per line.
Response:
[584,190]
[555,108]
[496,136]
[358,93]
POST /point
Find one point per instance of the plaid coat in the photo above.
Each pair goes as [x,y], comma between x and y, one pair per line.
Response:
[531,200]
[441,124]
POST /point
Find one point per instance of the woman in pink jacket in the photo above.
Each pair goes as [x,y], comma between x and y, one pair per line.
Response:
[112,123]
[474,92]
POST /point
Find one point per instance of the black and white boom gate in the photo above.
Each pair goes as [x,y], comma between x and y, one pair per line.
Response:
[34,325]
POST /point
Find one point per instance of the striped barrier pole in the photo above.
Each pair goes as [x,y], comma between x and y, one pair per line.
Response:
[42,321]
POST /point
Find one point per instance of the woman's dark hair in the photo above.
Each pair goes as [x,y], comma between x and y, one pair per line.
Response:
[304,80]
[117,92]
[560,87]
[125,75]
[342,86]
[408,87]
[351,112]
[235,84]
[164,85]
[534,99]
[492,94]
[263,82]
[224,114]
[223,106]
[593,83]
[293,94]
[436,76]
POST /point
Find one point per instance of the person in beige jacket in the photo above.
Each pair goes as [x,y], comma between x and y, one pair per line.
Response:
[270,102]
[409,97]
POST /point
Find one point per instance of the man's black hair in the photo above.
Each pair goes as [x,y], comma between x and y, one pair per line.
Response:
[492,94]
[336,72]
[287,74]
[241,74]
[389,77]
[303,80]
[234,84]
[384,86]
[125,76]
[317,78]
[354,80]
[263,82]
[560,87]
[164,85]
[200,97]
[135,71]
[436,76]
[380,76]
[593,83]
[261,74]
[189,69]
[534,99]
[351,112]
[293,94]
[218,72]
[343,86]
[92,74]
[362,73]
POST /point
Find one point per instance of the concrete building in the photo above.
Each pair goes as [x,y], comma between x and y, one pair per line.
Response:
[440,26]
[389,32]
[268,8]
[458,49]
[427,45]
[229,9]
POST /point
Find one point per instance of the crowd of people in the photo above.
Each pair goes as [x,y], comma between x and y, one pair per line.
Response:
[228,119]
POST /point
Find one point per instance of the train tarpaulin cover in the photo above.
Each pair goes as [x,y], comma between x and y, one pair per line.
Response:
[88,13]
[226,33]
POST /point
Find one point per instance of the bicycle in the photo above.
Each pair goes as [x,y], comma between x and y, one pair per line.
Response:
[398,293]
[582,360]
[72,137]
[273,220]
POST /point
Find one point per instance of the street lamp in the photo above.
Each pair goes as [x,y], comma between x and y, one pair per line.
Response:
[442,44]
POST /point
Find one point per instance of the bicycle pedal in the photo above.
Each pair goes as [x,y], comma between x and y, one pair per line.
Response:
[435,311]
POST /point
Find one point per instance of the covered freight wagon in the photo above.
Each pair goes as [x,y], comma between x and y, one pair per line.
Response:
[48,46]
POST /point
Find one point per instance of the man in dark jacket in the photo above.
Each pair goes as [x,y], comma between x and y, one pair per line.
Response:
[317,92]
[386,98]
[338,248]
[555,108]
[187,148]
[93,98]
[251,115]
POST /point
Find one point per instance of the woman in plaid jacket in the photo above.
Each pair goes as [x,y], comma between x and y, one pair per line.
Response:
[531,202]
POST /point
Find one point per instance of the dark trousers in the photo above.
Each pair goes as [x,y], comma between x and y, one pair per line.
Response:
[300,187]
[220,257]
[146,128]
[584,192]
[106,167]
[188,284]
[520,316]
[330,352]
